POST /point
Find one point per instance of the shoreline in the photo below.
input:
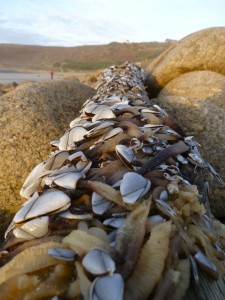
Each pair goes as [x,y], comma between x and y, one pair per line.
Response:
[7,77]
[19,77]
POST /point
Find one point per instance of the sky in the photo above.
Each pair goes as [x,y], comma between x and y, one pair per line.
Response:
[92,22]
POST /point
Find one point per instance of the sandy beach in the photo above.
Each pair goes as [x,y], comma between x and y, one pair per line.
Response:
[8,77]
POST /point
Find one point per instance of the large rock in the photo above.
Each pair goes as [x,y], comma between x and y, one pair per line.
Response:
[202,50]
[197,101]
[30,117]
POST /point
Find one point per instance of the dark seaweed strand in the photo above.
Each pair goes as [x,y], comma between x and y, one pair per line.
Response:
[173,150]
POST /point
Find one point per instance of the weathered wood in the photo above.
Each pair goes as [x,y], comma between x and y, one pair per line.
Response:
[207,289]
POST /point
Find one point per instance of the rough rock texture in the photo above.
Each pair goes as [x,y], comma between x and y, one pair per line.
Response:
[6,88]
[91,78]
[30,117]
[196,100]
[202,50]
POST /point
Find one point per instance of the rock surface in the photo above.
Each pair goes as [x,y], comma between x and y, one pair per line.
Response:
[196,100]
[201,50]
[30,118]
[6,88]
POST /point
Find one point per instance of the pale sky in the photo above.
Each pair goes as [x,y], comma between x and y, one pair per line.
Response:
[88,22]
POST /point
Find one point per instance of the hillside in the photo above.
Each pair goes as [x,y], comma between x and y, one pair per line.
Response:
[23,57]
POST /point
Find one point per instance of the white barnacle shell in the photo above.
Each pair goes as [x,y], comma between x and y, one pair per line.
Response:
[56,160]
[75,134]
[182,159]
[33,181]
[147,149]
[108,135]
[107,288]
[191,142]
[65,169]
[82,163]
[152,126]
[99,204]
[162,111]
[68,215]
[171,131]
[205,264]
[52,201]
[117,104]
[88,102]
[135,144]
[125,154]
[194,269]
[68,180]
[33,229]
[196,158]
[121,105]
[8,230]
[78,121]
[77,155]
[214,173]
[172,177]
[98,262]
[63,141]
[55,143]
[111,100]
[94,108]
[153,221]
[100,129]
[62,254]
[115,222]
[149,116]
[112,237]
[165,208]
[164,195]
[105,113]
[133,187]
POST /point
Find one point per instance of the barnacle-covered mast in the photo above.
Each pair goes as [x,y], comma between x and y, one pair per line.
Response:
[119,210]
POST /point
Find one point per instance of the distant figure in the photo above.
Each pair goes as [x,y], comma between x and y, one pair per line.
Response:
[52,74]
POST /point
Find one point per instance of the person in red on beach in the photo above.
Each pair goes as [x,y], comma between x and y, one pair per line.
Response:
[52,74]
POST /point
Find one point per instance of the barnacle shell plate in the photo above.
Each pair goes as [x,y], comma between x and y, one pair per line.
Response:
[133,187]
[46,203]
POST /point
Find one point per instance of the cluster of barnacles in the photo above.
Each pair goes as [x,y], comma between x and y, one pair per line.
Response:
[113,212]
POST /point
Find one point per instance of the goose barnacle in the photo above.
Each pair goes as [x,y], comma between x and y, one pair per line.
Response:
[105,113]
[62,254]
[114,222]
[80,161]
[133,187]
[32,229]
[48,180]
[126,154]
[100,129]
[33,181]
[111,133]
[165,208]
[94,109]
[98,262]
[56,160]
[68,180]
[51,202]
[99,204]
[72,216]
[206,265]
[107,288]
[154,220]
[71,136]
